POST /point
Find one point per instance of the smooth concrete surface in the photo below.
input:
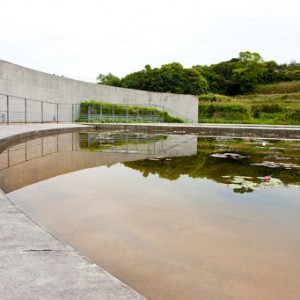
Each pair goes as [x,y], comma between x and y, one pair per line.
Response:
[15,130]
[36,265]
[10,133]
[23,82]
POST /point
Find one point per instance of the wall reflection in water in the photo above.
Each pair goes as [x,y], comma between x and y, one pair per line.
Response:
[50,156]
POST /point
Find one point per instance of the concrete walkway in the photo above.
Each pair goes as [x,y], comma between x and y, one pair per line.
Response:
[16,131]
[36,265]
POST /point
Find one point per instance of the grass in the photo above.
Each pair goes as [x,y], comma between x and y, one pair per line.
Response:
[101,112]
[278,88]
[271,109]
[214,98]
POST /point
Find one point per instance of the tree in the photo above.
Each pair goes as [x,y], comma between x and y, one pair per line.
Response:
[193,82]
[233,77]
[136,80]
[293,71]
[180,80]
[271,71]
[249,70]
[170,78]
[109,79]
[210,76]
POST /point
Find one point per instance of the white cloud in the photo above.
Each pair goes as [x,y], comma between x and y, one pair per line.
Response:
[84,38]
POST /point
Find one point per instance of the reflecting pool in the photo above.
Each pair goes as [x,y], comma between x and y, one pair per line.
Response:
[174,217]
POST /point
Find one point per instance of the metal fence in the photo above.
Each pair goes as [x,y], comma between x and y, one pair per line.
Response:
[15,109]
[123,114]
[131,112]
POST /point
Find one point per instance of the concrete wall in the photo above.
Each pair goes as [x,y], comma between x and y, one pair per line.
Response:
[19,81]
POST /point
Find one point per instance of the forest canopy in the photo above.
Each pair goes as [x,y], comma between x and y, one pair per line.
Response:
[236,76]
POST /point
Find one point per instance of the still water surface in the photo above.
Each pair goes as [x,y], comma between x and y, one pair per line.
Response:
[192,218]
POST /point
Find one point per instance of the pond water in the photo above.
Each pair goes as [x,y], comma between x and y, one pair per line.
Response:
[174,217]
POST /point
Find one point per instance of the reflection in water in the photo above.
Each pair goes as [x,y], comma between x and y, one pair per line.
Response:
[173,223]
[244,165]
[47,157]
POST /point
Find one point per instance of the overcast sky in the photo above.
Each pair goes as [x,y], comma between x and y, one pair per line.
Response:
[82,38]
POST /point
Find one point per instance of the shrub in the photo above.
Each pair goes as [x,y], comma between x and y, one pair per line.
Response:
[214,98]
[295,115]
[257,109]
[223,111]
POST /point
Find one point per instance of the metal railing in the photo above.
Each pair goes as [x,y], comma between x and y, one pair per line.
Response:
[15,109]
[124,113]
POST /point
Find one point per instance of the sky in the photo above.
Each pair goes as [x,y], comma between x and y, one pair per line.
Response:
[81,39]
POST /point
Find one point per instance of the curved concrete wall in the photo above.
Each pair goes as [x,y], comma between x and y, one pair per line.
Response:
[20,81]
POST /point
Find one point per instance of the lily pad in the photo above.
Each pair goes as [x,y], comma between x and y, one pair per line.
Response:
[271,164]
[244,183]
[228,155]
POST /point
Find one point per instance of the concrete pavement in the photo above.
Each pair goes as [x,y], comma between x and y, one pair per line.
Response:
[9,133]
